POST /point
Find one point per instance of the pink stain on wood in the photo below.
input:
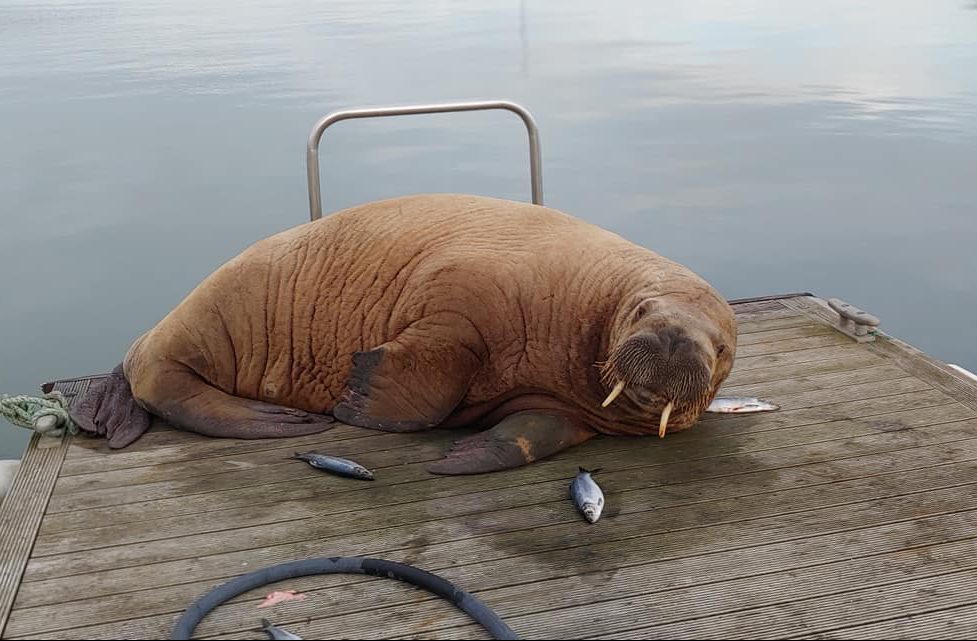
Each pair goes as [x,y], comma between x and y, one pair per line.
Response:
[280,596]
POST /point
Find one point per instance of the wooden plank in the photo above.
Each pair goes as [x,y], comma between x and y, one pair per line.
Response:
[768,303]
[937,374]
[736,303]
[243,454]
[203,446]
[720,428]
[597,555]
[792,345]
[829,396]
[533,594]
[390,461]
[72,387]
[764,314]
[796,319]
[388,447]
[606,451]
[806,617]
[675,485]
[276,455]
[203,450]
[937,532]
[886,424]
[857,361]
[573,592]
[584,607]
[733,424]
[160,434]
[837,352]
[806,330]
[440,488]
[23,507]
[806,396]
[358,511]
[950,623]
[808,383]
[913,360]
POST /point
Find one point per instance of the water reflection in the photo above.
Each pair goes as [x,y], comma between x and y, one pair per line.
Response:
[772,146]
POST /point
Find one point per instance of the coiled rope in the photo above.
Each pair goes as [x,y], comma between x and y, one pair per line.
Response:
[46,415]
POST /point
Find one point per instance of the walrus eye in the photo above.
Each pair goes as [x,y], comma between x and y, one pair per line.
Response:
[640,312]
[721,350]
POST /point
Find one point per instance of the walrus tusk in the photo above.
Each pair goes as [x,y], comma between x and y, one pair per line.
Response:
[664,421]
[614,394]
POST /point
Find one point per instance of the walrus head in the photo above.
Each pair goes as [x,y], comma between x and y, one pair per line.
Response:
[667,357]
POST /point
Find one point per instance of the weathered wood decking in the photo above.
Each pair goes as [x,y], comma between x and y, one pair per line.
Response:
[850,513]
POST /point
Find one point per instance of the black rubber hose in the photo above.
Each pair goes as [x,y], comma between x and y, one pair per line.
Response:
[341,565]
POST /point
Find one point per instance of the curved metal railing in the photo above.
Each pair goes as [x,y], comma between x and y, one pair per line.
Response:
[312,151]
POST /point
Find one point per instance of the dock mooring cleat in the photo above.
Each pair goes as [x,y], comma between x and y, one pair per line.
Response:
[854,322]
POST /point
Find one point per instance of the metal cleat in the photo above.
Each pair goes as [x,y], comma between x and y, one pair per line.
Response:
[854,322]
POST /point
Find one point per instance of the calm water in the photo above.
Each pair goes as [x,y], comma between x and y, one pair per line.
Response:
[772,146]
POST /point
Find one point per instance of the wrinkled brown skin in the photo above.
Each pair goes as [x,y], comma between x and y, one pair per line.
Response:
[424,311]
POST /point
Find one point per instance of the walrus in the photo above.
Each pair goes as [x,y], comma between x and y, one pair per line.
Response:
[427,311]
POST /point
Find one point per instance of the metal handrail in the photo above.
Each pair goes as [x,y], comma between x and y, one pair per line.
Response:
[312,152]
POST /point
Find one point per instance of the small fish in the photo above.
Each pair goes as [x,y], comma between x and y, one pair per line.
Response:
[274,632]
[740,404]
[279,596]
[587,495]
[336,465]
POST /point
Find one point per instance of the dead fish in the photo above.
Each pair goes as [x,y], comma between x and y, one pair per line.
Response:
[336,465]
[587,495]
[740,404]
[274,632]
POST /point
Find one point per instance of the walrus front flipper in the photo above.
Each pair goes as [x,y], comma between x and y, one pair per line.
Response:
[517,440]
[415,381]
[108,409]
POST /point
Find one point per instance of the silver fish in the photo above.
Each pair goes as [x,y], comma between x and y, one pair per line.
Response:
[587,495]
[336,465]
[274,632]
[740,404]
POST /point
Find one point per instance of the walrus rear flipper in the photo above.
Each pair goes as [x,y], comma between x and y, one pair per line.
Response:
[187,401]
[109,409]
[517,440]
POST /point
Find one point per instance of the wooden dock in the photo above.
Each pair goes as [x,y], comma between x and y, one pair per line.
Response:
[851,513]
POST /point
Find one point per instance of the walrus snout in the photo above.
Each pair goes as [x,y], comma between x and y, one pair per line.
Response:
[659,367]
[668,345]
